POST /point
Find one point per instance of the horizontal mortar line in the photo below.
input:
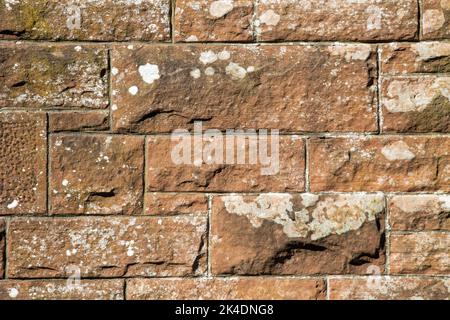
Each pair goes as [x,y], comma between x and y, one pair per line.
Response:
[414,75]
[408,232]
[53,110]
[218,43]
[299,135]
[237,277]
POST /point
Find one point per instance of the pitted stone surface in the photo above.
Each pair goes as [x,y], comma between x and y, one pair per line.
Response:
[23,160]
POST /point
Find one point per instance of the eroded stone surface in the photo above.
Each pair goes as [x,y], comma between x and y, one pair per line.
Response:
[56,76]
[420,253]
[416,104]
[422,57]
[113,247]
[436,19]
[2,247]
[290,88]
[389,288]
[106,20]
[297,234]
[61,290]
[226,289]
[366,20]
[175,203]
[23,159]
[420,212]
[78,121]
[409,163]
[165,174]
[96,174]
[213,20]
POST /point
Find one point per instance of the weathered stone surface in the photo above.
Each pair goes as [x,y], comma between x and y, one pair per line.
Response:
[389,288]
[422,57]
[291,88]
[297,234]
[96,174]
[78,121]
[420,212]
[416,104]
[420,253]
[23,159]
[436,19]
[175,203]
[2,247]
[61,290]
[113,247]
[210,20]
[56,76]
[106,20]
[164,174]
[367,20]
[226,289]
[407,163]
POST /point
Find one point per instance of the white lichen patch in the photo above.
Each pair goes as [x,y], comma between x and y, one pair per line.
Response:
[317,219]
[149,73]
[422,203]
[13,204]
[133,90]
[351,52]
[270,18]
[398,150]
[433,20]
[235,71]
[220,8]
[208,57]
[196,73]
[429,50]
[13,293]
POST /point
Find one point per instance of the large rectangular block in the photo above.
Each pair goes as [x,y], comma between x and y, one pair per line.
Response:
[416,104]
[263,288]
[105,20]
[61,290]
[301,234]
[420,253]
[96,174]
[367,20]
[389,288]
[23,160]
[210,20]
[436,19]
[389,163]
[113,247]
[291,88]
[420,212]
[169,170]
[53,76]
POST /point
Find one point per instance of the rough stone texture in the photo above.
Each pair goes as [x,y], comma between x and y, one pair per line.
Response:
[163,174]
[61,290]
[226,289]
[420,253]
[96,174]
[2,247]
[23,160]
[368,20]
[106,20]
[210,20]
[175,203]
[53,76]
[436,19]
[391,163]
[290,88]
[416,104]
[389,288]
[113,247]
[420,212]
[422,57]
[78,121]
[297,234]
